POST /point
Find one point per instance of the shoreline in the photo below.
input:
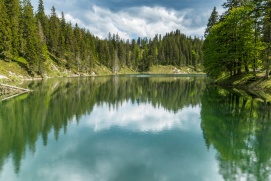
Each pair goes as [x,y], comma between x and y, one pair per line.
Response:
[100,71]
[257,86]
[242,85]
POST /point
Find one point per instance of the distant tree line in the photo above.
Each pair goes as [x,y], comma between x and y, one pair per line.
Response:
[238,41]
[37,37]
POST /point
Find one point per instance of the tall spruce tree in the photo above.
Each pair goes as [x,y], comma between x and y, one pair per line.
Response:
[5,34]
[31,36]
[41,50]
[61,41]
[54,31]
[14,13]
[211,22]
[43,19]
[77,41]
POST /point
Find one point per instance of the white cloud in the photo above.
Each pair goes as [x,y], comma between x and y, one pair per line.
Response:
[136,18]
[70,18]
[138,21]
[73,171]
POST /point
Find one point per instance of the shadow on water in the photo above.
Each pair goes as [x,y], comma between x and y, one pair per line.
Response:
[54,104]
[239,128]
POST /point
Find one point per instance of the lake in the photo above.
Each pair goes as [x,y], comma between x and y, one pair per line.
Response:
[133,128]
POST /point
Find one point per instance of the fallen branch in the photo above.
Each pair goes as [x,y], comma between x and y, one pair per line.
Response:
[12,96]
[16,91]
[14,87]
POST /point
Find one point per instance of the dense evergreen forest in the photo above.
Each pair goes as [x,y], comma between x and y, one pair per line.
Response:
[238,41]
[32,38]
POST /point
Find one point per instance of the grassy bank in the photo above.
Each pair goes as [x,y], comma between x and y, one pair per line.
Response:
[169,69]
[18,70]
[258,86]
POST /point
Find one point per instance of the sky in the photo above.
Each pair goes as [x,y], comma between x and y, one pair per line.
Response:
[136,18]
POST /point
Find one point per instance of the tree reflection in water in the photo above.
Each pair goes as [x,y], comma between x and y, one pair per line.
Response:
[239,128]
[56,103]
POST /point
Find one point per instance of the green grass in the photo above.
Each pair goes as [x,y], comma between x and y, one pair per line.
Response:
[126,70]
[101,70]
[53,67]
[170,69]
[238,80]
[259,85]
[13,69]
[245,80]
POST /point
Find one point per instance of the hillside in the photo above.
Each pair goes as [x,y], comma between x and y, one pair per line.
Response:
[36,45]
[16,70]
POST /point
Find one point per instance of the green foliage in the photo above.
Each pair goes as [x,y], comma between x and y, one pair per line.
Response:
[14,14]
[78,50]
[236,43]
[42,18]
[212,21]
[5,34]
[32,49]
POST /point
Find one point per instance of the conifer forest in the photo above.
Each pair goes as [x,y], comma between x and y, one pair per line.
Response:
[36,37]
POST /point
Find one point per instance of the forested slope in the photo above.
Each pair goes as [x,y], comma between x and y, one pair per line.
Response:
[40,44]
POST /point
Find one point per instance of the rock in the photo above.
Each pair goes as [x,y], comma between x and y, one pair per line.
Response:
[3,77]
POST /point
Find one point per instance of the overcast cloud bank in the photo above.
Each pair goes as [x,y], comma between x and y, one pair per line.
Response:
[132,19]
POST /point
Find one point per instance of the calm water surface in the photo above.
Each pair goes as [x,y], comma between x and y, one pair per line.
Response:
[142,127]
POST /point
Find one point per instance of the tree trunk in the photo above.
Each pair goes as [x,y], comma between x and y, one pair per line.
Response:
[239,70]
[267,61]
[234,68]
[247,69]
[267,67]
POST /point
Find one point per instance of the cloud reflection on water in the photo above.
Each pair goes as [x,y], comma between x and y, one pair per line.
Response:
[141,118]
[114,149]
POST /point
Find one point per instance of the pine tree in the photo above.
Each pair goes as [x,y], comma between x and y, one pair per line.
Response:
[61,42]
[54,31]
[231,4]
[5,34]
[212,21]
[77,39]
[14,13]
[69,39]
[128,54]
[41,50]
[42,18]
[31,36]
[115,67]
